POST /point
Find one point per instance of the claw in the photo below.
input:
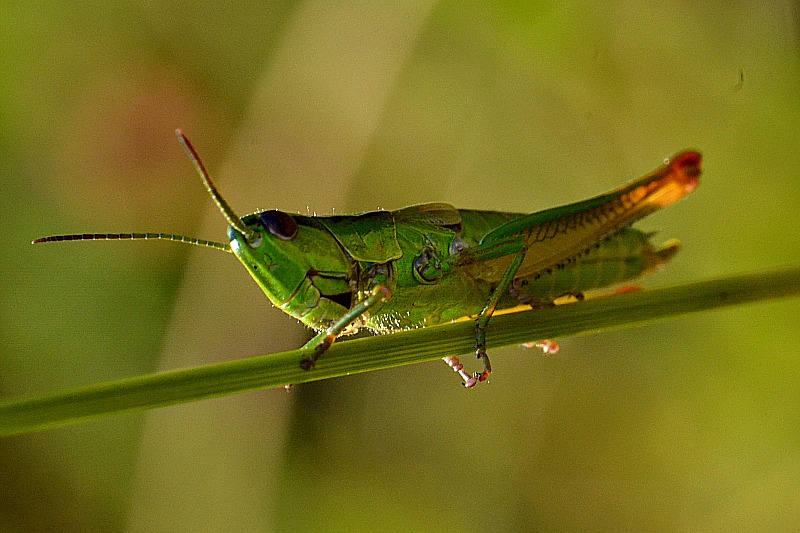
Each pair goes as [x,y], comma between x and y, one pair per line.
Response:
[549,347]
[458,368]
[477,377]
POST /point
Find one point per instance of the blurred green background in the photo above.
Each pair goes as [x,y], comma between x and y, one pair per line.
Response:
[689,424]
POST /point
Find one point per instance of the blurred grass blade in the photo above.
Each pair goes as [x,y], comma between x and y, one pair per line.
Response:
[375,353]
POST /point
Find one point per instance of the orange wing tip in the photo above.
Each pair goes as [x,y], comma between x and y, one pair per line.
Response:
[685,168]
[678,177]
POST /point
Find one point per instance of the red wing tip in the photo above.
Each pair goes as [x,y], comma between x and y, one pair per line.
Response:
[690,162]
[689,165]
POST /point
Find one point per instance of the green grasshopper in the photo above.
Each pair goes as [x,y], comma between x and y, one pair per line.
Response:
[432,263]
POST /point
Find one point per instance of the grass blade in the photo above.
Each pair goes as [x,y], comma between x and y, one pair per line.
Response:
[380,352]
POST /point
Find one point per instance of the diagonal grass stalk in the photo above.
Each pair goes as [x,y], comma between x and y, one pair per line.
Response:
[380,352]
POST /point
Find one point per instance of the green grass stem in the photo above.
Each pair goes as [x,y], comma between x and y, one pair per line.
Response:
[379,352]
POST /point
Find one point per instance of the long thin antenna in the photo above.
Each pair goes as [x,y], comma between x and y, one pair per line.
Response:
[232,218]
[134,237]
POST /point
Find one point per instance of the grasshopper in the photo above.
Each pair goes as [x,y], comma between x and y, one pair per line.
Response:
[432,263]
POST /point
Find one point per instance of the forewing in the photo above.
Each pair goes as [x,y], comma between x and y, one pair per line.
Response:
[559,235]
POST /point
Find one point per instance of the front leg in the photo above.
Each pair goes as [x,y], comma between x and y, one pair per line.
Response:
[324,340]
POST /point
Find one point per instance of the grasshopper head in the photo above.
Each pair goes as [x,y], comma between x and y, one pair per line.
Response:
[297,263]
[275,255]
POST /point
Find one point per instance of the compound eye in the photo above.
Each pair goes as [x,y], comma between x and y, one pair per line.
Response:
[279,224]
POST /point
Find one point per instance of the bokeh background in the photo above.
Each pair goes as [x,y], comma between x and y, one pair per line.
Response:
[688,424]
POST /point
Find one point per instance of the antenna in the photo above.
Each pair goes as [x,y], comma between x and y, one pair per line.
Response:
[134,237]
[224,208]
